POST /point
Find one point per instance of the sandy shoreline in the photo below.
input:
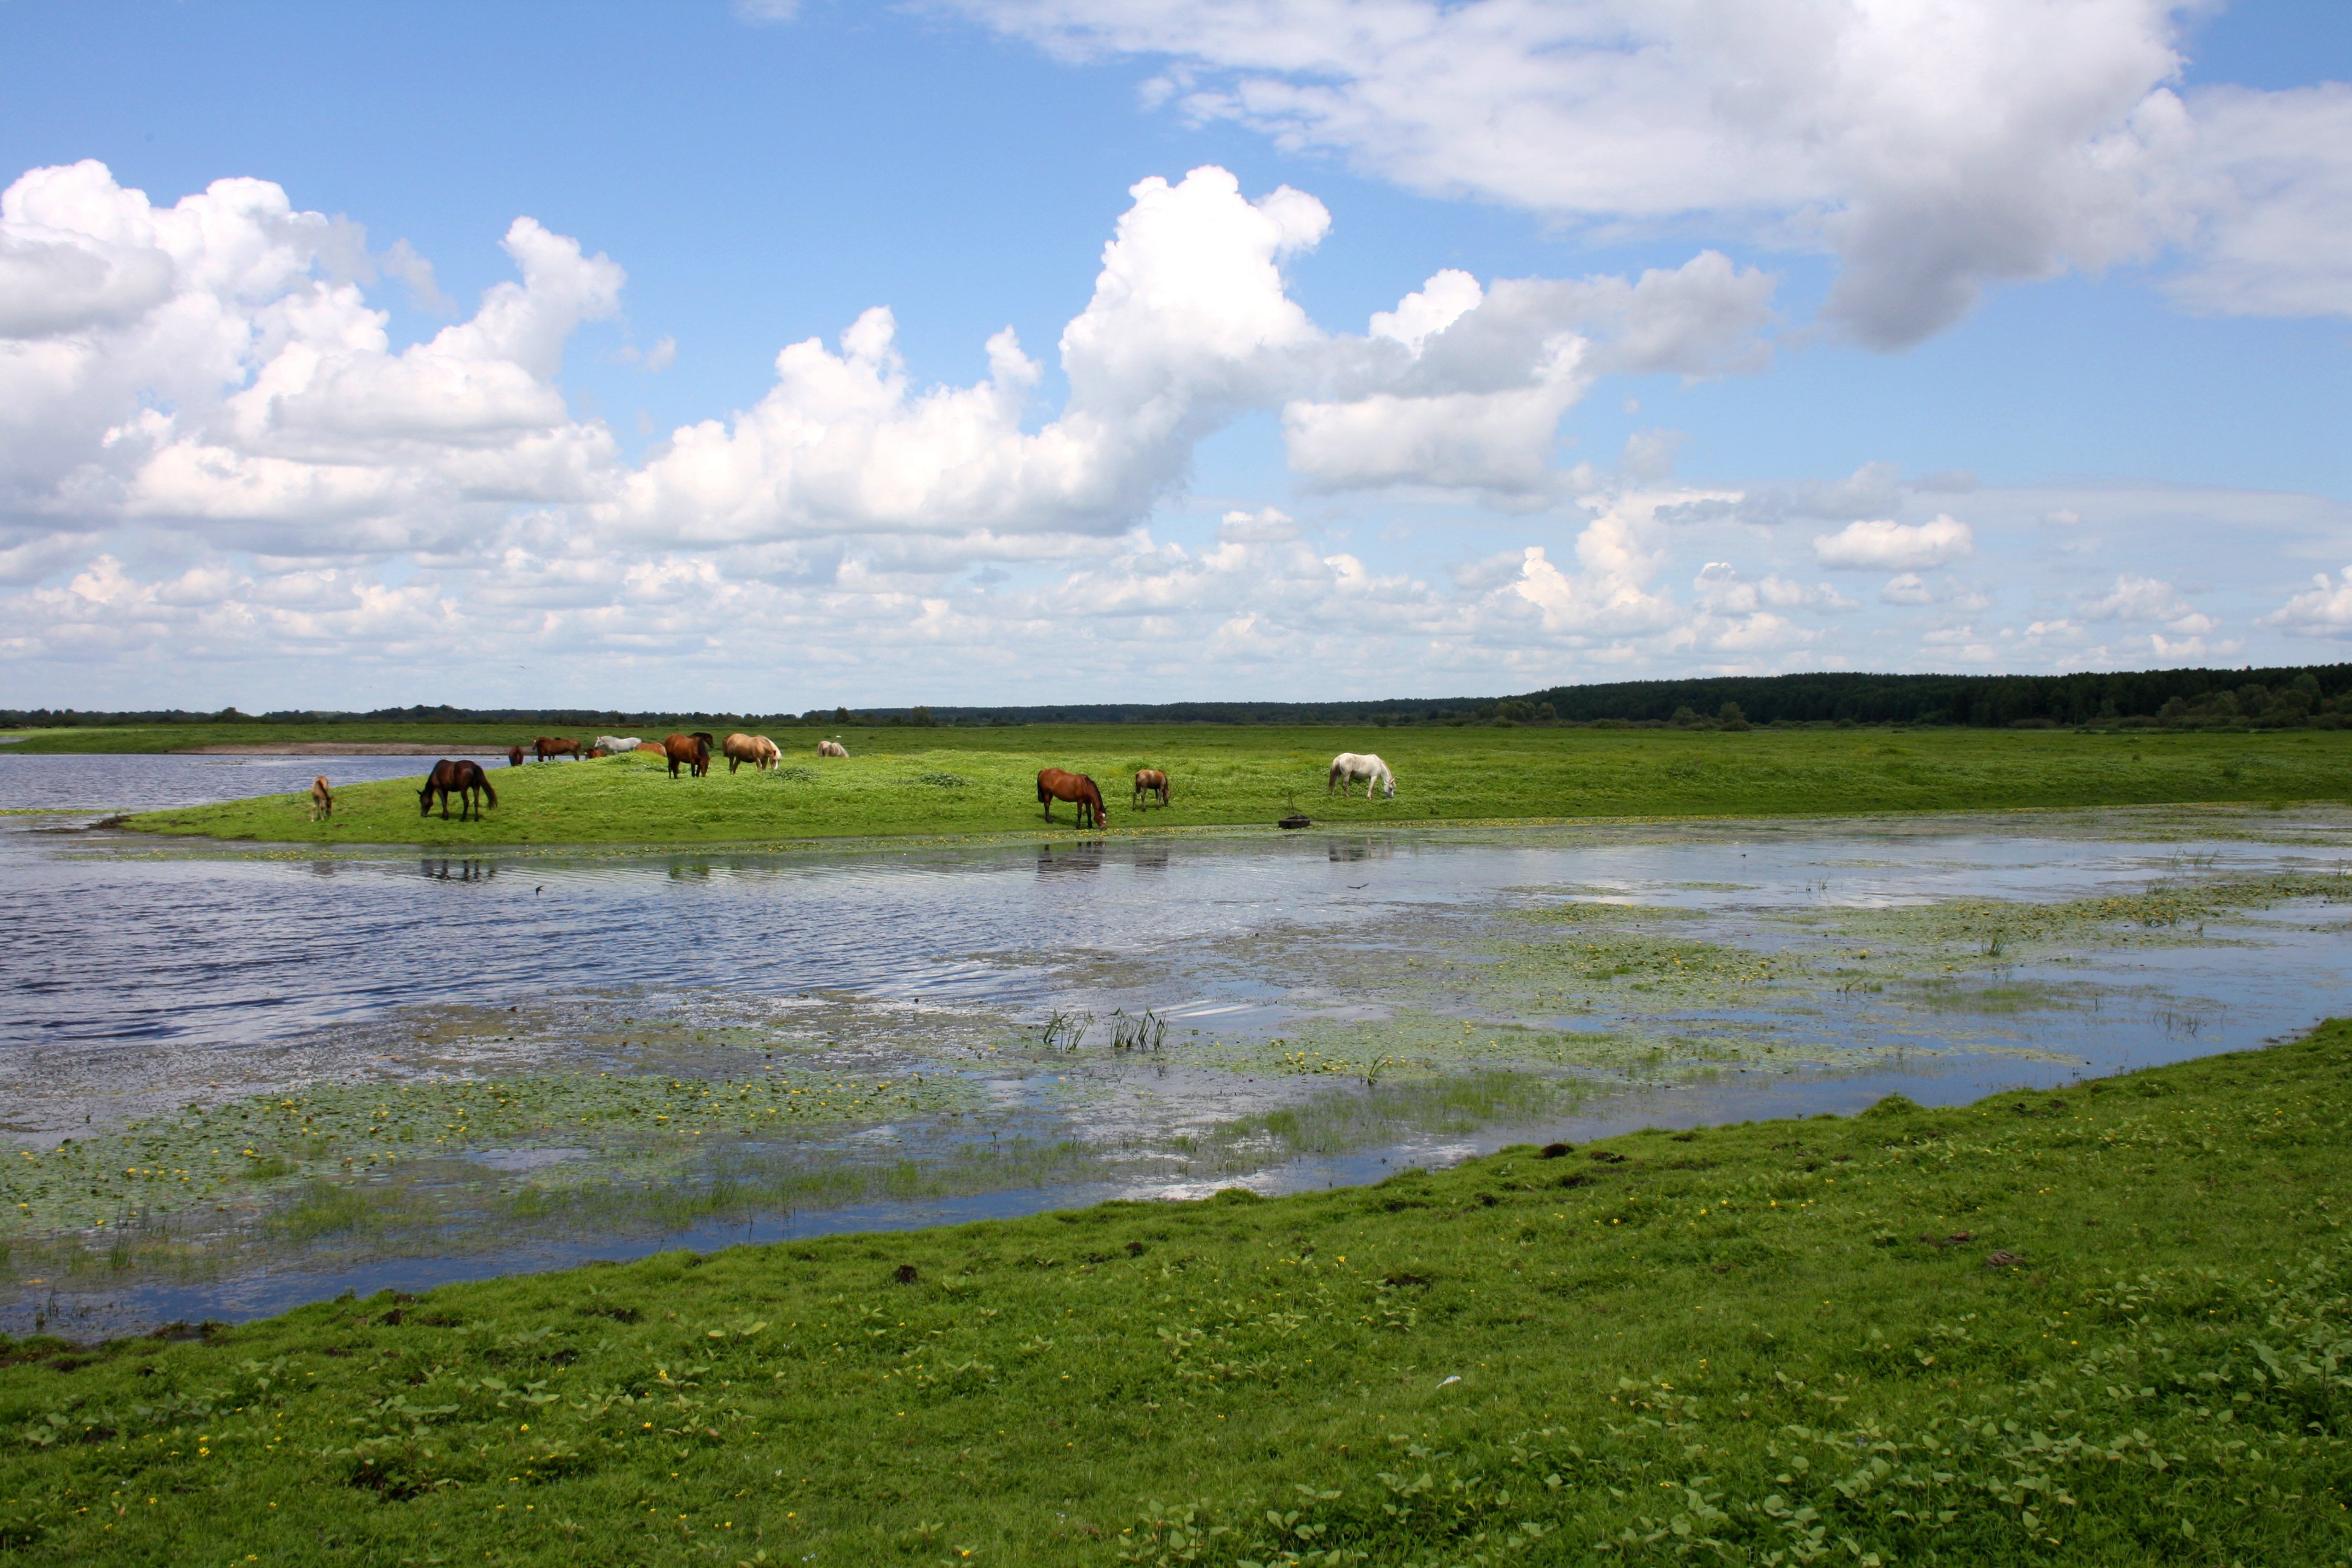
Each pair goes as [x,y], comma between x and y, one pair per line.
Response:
[340,749]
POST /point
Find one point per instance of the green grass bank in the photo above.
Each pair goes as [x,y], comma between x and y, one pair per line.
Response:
[910,781]
[2103,1325]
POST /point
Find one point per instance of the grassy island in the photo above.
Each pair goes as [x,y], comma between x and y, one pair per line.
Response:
[972,781]
[2104,1325]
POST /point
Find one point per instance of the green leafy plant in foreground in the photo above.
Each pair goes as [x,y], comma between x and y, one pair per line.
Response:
[2107,1324]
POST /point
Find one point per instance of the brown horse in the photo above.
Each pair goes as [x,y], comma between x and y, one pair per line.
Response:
[556,746]
[692,752]
[514,757]
[322,799]
[757,750]
[1054,784]
[465,776]
[1151,781]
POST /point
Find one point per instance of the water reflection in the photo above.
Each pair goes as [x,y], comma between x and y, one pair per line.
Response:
[1079,854]
[446,870]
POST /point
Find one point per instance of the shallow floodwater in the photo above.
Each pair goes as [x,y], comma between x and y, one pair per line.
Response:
[863,1036]
[63,782]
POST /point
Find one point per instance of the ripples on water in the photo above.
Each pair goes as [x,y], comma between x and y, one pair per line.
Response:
[147,976]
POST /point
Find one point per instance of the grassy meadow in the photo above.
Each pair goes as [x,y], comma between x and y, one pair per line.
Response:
[970,780]
[2104,1325]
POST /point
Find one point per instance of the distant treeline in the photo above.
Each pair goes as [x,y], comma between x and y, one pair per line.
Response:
[2317,695]
[2294,695]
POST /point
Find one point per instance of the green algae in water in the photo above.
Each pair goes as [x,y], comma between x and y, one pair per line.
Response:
[1960,930]
[250,1149]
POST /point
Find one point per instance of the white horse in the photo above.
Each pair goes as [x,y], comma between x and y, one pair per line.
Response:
[1348,767]
[619,743]
[831,749]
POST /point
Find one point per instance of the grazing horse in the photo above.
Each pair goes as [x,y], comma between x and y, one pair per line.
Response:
[322,799]
[556,746]
[757,750]
[465,776]
[1054,784]
[514,757]
[613,745]
[831,749]
[1349,767]
[691,751]
[1151,781]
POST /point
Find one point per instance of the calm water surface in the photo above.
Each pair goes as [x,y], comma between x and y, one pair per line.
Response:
[146,976]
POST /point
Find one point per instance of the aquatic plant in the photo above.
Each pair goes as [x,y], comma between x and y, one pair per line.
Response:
[218,1155]
[1148,1033]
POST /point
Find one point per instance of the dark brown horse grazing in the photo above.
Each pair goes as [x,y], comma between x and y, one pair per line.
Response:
[693,751]
[1151,781]
[556,746]
[514,757]
[465,776]
[1054,784]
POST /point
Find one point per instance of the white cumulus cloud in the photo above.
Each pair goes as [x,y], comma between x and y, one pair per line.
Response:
[2137,598]
[2325,609]
[1933,149]
[1881,545]
[1190,323]
[1464,387]
[200,365]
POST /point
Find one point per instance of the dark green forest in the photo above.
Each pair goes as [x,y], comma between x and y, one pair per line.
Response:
[2316,695]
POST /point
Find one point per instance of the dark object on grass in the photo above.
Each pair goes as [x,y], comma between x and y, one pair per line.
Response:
[904,1274]
[1554,1151]
[1958,1238]
[465,776]
[2002,1260]
[1608,1157]
[1297,819]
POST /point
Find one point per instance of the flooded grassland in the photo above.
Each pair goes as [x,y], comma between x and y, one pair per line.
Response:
[235,1081]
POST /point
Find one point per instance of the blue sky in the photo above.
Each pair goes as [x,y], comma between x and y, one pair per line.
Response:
[2144,382]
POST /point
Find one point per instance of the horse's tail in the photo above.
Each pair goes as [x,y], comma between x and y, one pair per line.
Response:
[489,794]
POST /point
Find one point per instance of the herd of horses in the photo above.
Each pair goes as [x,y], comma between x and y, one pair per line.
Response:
[693,751]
